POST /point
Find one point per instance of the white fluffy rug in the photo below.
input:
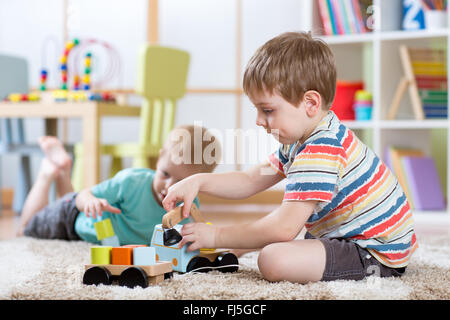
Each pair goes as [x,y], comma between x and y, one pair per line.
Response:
[53,269]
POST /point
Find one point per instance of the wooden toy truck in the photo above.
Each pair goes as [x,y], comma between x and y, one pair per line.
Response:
[129,265]
[141,265]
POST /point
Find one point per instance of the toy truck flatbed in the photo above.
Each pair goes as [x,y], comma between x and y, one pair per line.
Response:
[127,275]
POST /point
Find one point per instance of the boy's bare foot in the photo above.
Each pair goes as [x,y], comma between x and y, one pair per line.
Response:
[54,151]
[48,171]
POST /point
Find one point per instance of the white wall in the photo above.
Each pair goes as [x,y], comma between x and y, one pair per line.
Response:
[205,28]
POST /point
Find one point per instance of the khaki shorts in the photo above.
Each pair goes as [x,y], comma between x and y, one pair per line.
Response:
[345,260]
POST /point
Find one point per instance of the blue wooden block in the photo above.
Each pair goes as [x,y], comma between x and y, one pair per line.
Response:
[144,256]
[112,241]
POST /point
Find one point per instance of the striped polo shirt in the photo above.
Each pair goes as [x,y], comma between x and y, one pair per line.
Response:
[359,198]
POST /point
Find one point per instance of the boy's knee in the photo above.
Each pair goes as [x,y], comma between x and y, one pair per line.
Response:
[271,263]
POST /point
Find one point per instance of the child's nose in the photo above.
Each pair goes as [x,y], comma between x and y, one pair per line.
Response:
[260,122]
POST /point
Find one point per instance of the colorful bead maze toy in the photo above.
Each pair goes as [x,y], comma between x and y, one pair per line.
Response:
[85,85]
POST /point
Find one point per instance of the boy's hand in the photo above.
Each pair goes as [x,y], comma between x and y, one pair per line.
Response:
[185,190]
[201,235]
[96,206]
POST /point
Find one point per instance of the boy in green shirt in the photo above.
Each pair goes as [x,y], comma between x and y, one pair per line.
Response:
[132,199]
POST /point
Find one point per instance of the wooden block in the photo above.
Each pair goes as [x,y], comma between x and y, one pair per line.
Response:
[104,229]
[171,218]
[111,241]
[122,256]
[134,245]
[101,254]
[144,256]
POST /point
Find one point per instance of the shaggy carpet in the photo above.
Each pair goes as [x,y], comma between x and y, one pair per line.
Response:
[32,269]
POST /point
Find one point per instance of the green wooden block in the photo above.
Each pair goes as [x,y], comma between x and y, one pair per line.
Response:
[104,229]
[101,254]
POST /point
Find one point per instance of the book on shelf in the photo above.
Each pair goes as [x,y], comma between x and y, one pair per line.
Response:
[423,181]
[341,17]
[393,160]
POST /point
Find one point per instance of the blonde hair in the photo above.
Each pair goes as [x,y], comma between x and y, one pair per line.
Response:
[292,64]
[195,146]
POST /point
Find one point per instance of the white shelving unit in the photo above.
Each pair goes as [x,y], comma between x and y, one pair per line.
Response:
[381,76]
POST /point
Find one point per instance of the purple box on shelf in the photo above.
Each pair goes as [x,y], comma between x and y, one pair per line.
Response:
[424,184]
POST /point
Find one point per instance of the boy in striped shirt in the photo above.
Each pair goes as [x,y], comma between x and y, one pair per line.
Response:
[357,217]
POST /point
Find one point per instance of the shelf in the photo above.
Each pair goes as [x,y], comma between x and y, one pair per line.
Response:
[385,36]
[348,38]
[437,217]
[398,124]
[414,124]
[418,34]
[358,124]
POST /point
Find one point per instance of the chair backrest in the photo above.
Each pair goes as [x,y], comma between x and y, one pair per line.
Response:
[162,77]
[13,75]
[13,79]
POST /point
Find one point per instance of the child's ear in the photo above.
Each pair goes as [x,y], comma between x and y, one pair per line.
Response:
[313,102]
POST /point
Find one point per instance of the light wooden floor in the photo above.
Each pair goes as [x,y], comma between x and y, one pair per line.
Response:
[216,214]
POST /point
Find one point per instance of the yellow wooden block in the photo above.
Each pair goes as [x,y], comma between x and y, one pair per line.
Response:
[104,229]
[101,255]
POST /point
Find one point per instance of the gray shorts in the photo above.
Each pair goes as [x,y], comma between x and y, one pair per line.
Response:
[348,261]
[56,220]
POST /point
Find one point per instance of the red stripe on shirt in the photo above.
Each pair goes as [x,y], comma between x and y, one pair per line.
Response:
[348,141]
[387,224]
[276,162]
[325,196]
[363,190]
[338,151]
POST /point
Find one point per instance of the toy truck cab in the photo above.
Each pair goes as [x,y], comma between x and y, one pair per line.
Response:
[179,257]
[202,260]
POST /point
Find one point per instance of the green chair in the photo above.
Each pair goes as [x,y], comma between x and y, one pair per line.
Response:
[162,77]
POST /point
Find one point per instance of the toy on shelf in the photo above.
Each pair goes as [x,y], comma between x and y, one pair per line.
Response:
[81,95]
[88,49]
[344,98]
[363,105]
[64,59]
[80,76]
[165,239]
[425,76]
[22,97]
[87,71]
[43,79]
[130,265]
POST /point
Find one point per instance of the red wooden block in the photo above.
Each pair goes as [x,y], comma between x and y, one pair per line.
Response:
[122,255]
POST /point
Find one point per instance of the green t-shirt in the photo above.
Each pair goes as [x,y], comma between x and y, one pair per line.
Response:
[130,190]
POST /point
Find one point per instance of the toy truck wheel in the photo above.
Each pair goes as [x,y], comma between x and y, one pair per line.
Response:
[132,277]
[225,260]
[97,275]
[199,264]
